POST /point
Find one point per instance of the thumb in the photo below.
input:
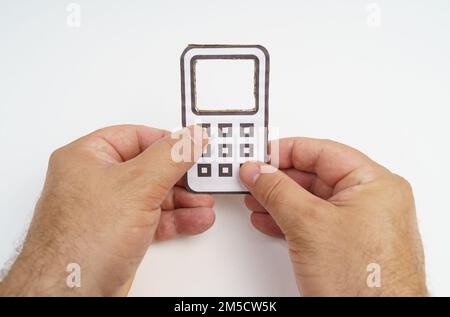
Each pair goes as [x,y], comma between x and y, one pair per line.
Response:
[287,202]
[165,162]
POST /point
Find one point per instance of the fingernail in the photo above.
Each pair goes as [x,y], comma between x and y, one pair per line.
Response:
[249,173]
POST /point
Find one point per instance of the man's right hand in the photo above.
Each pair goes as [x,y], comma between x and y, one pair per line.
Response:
[343,215]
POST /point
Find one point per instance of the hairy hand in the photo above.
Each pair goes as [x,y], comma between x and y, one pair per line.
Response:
[107,196]
[339,212]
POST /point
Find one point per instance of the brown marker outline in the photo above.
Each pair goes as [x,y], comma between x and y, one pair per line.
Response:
[224,112]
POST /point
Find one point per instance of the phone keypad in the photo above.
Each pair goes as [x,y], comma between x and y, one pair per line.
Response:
[246,150]
[221,155]
[247,130]
[225,130]
[207,127]
[225,150]
[207,151]
[225,170]
[204,170]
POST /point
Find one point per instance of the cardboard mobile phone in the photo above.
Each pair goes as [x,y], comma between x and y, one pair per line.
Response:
[237,130]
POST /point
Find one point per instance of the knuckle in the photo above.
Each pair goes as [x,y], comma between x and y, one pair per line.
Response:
[56,155]
[157,193]
[300,246]
[402,191]
[403,184]
[332,143]
[329,141]
[273,192]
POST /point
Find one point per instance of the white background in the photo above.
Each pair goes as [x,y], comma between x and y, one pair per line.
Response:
[384,90]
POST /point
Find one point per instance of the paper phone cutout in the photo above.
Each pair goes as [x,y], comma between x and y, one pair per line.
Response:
[237,134]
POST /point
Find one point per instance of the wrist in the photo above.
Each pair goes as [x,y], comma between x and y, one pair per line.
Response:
[43,270]
[38,275]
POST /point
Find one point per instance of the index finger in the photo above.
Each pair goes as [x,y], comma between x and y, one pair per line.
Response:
[329,160]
